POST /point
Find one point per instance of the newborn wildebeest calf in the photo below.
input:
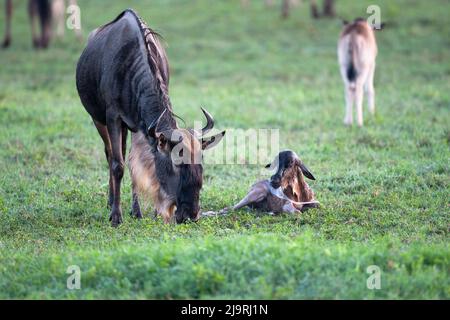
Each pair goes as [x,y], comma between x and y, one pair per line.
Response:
[122,79]
[286,191]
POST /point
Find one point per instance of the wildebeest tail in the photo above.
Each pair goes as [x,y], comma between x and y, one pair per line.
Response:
[352,73]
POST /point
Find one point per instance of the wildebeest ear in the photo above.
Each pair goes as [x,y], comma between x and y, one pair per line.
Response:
[210,142]
[382,25]
[306,171]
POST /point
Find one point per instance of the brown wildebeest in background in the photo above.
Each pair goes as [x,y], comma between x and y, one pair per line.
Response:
[38,10]
[44,12]
[287,5]
[122,79]
[59,21]
[357,51]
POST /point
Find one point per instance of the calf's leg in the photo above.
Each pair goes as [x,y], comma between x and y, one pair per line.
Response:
[33,13]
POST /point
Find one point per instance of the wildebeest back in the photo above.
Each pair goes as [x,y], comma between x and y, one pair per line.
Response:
[115,77]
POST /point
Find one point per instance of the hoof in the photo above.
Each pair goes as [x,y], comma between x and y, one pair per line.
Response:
[115,218]
[348,122]
[136,210]
[136,214]
[6,43]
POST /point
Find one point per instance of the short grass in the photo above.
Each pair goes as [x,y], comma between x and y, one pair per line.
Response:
[384,188]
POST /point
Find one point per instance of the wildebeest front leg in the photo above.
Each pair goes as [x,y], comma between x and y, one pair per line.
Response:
[8,12]
[289,207]
[114,127]
[135,207]
[33,13]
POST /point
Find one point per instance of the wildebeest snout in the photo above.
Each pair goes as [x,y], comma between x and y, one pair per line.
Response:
[185,214]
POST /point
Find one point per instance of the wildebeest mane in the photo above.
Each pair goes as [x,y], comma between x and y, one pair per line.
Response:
[156,55]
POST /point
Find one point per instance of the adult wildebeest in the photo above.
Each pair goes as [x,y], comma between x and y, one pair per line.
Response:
[47,12]
[357,51]
[122,79]
[286,191]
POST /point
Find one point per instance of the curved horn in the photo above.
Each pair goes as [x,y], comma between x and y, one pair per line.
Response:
[153,128]
[209,122]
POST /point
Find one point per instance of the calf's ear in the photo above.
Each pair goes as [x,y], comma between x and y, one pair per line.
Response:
[211,142]
[306,171]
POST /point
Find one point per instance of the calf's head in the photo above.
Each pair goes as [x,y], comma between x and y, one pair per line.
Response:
[178,164]
[287,165]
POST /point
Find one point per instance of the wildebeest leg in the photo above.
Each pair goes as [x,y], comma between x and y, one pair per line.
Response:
[349,99]
[255,195]
[58,12]
[78,33]
[114,127]
[359,93]
[46,25]
[359,103]
[8,12]
[33,12]
[370,91]
[124,141]
[288,207]
[135,207]
[103,131]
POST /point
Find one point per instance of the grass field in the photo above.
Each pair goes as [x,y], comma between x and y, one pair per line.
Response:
[384,188]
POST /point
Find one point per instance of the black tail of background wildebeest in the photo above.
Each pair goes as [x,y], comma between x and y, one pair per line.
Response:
[351,72]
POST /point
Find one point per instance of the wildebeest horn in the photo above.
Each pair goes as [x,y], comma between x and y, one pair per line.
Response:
[153,128]
[209,122]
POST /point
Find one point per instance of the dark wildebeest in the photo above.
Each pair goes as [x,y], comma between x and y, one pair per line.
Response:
[286,191]
[41,9]
[122,79]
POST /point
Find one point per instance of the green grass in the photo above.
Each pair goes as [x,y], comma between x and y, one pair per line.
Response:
[384,188]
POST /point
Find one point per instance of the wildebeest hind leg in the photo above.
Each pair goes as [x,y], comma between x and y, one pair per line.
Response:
[103,131]
[33,13]
[135,208]
[8,12]
[114,127]
[255,195]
